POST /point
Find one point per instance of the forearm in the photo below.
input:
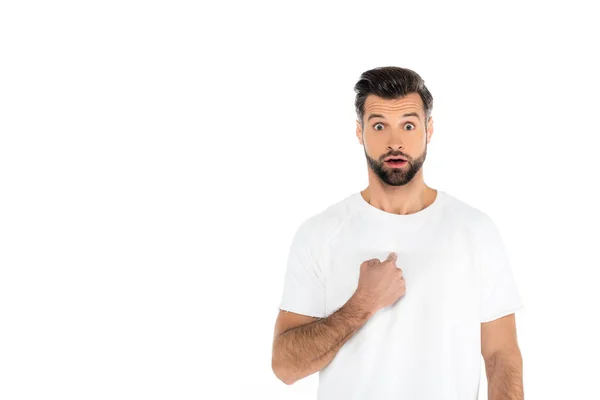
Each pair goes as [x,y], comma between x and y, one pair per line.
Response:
[505,376]
[304,350]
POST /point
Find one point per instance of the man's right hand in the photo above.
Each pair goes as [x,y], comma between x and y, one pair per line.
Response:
[380,284]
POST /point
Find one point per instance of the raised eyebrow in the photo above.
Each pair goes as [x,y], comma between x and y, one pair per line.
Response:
[410,114]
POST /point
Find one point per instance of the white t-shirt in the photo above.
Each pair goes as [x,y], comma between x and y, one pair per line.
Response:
[427,346]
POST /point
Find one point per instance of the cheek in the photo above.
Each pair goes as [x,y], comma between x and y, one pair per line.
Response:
[374,149]
[375,142]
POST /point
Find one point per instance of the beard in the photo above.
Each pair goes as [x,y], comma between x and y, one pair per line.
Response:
[396,176]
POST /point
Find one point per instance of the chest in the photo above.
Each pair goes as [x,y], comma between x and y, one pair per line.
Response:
[438,264]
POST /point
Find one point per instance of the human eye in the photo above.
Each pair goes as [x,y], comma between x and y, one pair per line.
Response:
[413,125]
[374,126]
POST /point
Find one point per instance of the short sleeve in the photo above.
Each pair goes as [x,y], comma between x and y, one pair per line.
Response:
[498,292]
[303,287]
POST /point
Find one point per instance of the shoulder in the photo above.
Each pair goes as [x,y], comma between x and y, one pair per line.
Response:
[466,214]
[320,226]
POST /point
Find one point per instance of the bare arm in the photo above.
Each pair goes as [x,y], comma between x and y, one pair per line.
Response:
[504,372]
[306,349]
[503,360]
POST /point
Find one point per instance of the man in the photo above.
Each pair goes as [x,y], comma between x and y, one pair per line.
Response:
[415,325]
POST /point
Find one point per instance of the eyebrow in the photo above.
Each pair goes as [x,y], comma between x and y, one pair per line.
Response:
[410,114]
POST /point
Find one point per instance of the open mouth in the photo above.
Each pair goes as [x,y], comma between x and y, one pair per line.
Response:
[395,162]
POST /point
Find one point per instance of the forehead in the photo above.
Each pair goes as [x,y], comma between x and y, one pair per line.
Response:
[376,104]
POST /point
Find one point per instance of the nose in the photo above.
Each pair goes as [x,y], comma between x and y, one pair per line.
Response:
[396,150]
[395,141]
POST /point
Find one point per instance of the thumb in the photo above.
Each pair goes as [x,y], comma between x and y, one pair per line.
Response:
[393,256]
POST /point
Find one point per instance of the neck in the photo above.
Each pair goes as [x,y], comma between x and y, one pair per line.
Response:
[407,199]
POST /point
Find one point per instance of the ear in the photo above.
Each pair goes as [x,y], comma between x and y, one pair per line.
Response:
[359,133]
[429,129]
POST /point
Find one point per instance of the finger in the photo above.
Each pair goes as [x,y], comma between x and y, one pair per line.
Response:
[393,256]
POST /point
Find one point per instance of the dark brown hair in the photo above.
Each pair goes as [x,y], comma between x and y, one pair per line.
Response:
[390,83]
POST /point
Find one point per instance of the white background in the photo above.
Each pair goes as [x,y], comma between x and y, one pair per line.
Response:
[157,157]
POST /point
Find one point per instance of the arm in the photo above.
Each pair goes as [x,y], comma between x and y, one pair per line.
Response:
[503,361]
[306,349]
[505,376]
